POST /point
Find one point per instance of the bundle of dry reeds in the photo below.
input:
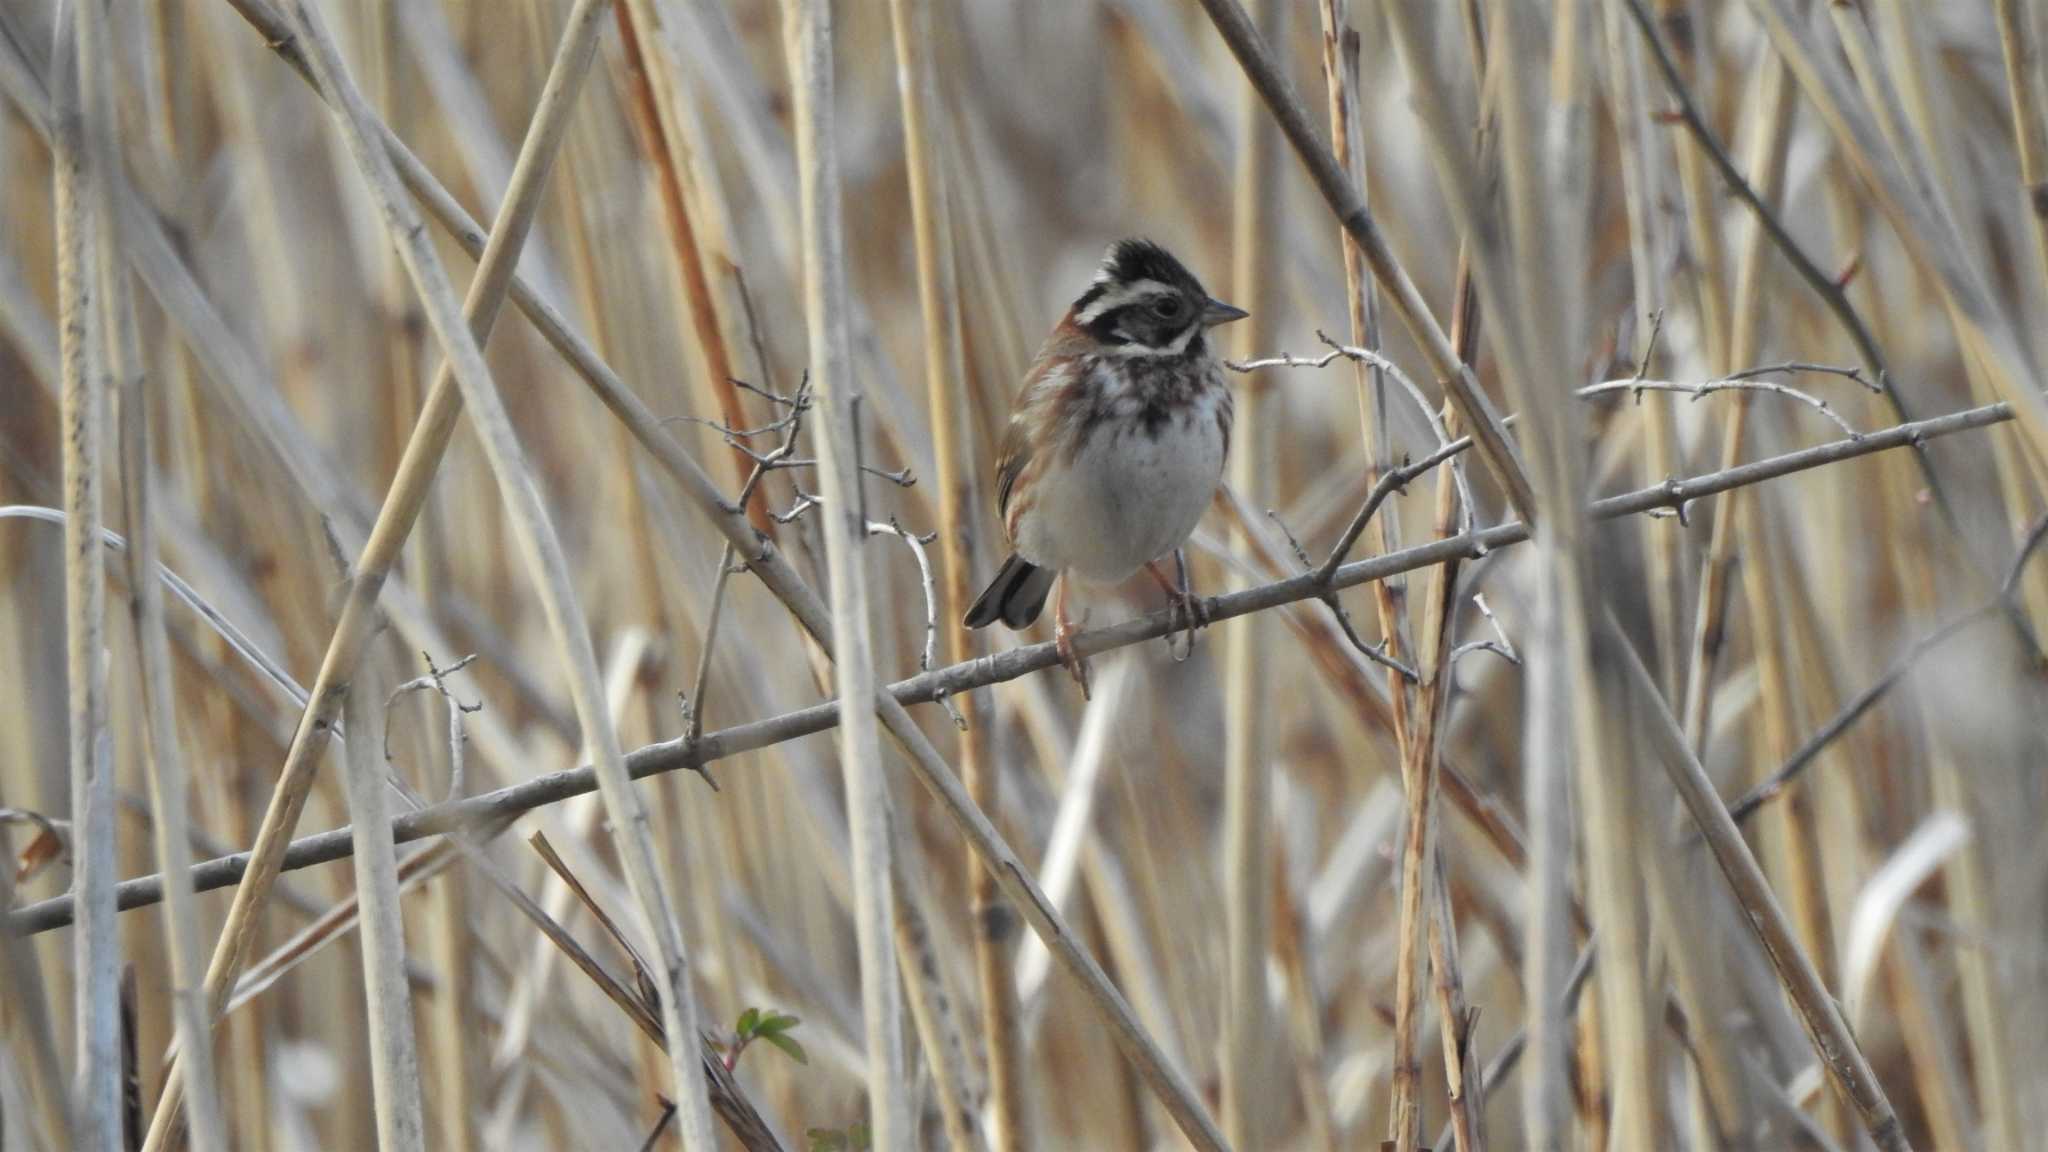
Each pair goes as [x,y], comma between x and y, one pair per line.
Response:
[1621,727]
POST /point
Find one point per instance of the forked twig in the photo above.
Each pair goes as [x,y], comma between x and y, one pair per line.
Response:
[1375,652]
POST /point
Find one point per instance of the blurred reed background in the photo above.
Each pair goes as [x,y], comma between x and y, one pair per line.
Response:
[1346,864]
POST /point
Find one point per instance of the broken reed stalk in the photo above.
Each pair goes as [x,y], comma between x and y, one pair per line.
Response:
[96,959]
[965,556]
[807,34]
[120,344]
[1719,1077]
[1766,164]
[1640,145]
[1404,1109]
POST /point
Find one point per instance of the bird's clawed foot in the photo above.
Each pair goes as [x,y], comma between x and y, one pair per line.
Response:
[1189,613]
[1063,640]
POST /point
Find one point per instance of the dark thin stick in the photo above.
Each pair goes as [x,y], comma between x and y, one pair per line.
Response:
[1853,711]
[673,755]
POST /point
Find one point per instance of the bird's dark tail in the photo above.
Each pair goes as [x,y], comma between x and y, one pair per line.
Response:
[1016,596]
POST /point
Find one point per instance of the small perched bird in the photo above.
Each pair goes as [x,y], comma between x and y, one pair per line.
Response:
[1116,443]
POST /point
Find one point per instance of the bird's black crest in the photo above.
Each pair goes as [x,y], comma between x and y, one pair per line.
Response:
[1140,259]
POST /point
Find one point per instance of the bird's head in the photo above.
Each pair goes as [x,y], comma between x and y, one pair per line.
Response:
[1143,302]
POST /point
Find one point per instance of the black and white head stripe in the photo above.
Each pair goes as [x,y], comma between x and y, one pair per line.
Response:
[1142,300]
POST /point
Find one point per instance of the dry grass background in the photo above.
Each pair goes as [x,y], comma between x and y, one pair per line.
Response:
[1342,903]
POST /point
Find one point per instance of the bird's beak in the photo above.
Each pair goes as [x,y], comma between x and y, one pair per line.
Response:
[1217,312]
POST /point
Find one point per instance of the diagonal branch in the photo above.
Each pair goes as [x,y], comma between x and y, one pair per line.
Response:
[1357,219]
[680,754]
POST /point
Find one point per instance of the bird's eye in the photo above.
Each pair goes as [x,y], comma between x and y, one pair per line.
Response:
[1169,307]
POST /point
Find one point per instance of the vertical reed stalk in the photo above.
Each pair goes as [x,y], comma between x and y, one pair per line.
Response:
[2023,91]
[965,554]
[807,31]
[394,1053]
[1247,845]
[96,1092]
[401,510]
[656,83]
[120,345]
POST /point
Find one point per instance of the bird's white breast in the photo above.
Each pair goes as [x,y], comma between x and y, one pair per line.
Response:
[1128,497]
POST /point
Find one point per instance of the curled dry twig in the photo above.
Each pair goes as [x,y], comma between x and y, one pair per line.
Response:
[916,544]
[436,680]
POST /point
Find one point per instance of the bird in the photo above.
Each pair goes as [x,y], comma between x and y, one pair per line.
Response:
[1115,444]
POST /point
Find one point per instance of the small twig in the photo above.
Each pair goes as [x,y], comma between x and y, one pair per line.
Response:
[1373,359]
[931,603]
[795,403]
[1500,647]
[804,503]
[1375,652]
[1789,367]
[693,704]
[661,1124]
[1739,382]
[236,640]
[1390,482]
[1650,345]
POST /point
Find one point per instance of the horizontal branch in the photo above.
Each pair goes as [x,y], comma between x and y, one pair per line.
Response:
[672,755]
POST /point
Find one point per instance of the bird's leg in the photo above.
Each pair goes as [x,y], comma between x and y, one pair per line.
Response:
[1063,638]
[1188,613]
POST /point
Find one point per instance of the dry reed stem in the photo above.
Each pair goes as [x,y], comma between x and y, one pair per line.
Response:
[655,79]
[534,533]
[96,1079]
[1257,192]
[1766,163]
[400,511]
[146,599]
[1359,222]
[394,1053]
[1557,662]
[782,580]
[1534,343]
[1922,225]
[807,34]
[1827,1031]
[931,1010]
[2023,92]
[1650,249]
[946,390]
[1404,1109]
